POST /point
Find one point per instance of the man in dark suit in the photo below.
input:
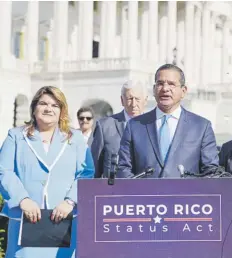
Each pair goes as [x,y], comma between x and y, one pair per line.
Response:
[85,116]
[169,135]
[108,131]
[225,156]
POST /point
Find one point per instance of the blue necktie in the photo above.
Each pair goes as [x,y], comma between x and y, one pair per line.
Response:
[164,139]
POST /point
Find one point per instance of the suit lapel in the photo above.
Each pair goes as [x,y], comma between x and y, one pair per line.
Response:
[152,133]
[57,147]
[120,123]
[55,151]
[181,130]
[36,145]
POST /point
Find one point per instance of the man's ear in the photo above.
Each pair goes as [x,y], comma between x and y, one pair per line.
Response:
[122,101]
[184,91]
[154,90]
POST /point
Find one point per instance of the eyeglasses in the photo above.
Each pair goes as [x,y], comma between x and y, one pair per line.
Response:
[82,118]
[171,84]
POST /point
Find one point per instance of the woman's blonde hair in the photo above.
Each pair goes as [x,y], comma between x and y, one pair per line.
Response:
[58,95]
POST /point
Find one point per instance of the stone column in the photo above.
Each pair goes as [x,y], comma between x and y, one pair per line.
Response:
[124,29]
[103,25]
[86,29]
[32,30]
[212,47]
[163,23]
[111,28]
[22,43]
[5,28]
[205,44]
[60,30]
[189,41]
[180,39]
[144,31]
[225,55]
[132,28]
[74,42]
[49,41]
[197,46]
[153,30]
[171,34]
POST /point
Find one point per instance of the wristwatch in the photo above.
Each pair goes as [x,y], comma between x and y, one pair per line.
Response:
[71,202]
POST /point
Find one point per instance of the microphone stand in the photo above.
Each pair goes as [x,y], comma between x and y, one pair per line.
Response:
[113,170]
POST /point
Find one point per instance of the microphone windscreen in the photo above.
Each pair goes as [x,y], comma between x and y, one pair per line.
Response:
[181,169]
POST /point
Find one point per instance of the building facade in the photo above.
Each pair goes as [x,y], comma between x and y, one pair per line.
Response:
[89,48]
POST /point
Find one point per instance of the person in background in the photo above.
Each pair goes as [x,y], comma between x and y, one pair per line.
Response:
[108,131]
[168,136]
[85,116]
[40,164]
[225,156]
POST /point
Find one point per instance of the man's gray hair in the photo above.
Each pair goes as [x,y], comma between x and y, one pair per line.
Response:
[131,84]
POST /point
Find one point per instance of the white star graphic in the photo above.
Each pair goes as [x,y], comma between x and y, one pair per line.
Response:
[157,219]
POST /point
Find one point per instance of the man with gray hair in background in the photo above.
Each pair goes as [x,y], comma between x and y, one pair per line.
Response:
[109,130]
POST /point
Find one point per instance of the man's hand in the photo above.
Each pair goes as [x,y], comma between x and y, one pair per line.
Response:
[31,209]
[61,211]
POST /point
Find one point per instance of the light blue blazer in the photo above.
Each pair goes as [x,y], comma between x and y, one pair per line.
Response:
[26,170]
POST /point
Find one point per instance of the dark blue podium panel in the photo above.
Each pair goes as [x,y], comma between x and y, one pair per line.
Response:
[164,218]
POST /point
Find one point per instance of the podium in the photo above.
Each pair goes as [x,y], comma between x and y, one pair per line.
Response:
[163,218]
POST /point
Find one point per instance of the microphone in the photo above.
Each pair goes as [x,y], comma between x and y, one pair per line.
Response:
[181,169]
[113,169]
[147,172]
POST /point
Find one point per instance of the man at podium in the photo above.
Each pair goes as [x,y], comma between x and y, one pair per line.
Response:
[168,136]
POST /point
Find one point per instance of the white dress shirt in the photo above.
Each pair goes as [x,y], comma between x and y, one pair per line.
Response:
[86,136]
[127,117]
[172,121]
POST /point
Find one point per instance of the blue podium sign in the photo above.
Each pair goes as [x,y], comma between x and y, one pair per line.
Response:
[164,218]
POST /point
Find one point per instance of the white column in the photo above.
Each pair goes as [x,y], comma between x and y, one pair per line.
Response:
[5,28]
[50,42]
[189,41]
[23,53]
[205,44]
[132,28]
[153,30]
[144,31]
[212,48]
[74,42]
[103,25]
[163,23]
[171,35]
[86,28]
[225,56]
[60,46]
[32,30]
[197,46]
[111,28]
[124,30]
[180,39]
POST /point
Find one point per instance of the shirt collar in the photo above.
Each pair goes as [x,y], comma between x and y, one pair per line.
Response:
[127,117]
[88,134]
[176,113]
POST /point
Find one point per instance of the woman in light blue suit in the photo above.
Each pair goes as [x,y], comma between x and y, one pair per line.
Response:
[40,164]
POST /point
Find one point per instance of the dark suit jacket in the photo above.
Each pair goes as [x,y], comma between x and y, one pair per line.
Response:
[193,146]
[225,156]
[106,141]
